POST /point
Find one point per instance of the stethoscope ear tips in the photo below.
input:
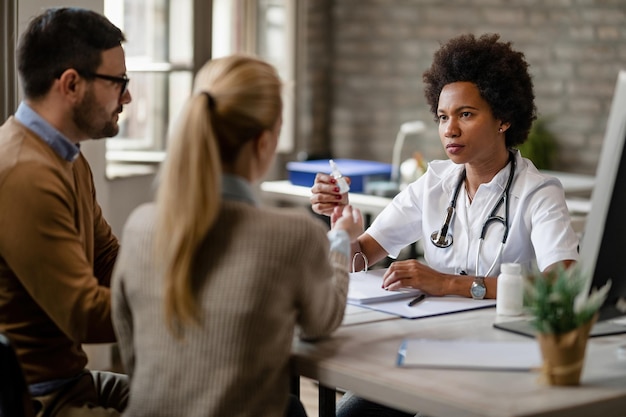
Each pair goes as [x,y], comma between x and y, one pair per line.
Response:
[440,239]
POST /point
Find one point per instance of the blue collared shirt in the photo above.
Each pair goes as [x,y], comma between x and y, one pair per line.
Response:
[237,188]
[64,147]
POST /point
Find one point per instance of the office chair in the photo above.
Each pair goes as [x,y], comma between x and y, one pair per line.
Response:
[15,400]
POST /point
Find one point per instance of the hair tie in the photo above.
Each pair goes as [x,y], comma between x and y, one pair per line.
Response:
[210,99]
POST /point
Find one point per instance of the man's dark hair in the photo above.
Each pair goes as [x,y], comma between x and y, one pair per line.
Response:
[499,72]
[59,39]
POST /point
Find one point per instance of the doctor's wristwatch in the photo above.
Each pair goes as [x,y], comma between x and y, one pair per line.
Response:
[478,289]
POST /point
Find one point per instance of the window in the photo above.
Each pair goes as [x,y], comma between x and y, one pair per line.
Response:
[265,28]
[163,51]
[159,60]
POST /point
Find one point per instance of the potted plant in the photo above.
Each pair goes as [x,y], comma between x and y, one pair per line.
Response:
[541,145]
[563,313]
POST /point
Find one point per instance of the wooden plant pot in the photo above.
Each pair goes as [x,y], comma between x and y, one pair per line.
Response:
[564,355]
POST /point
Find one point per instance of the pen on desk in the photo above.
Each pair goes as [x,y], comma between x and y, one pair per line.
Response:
[417,300]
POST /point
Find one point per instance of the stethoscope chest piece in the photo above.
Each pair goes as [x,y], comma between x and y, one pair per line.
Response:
[441,238]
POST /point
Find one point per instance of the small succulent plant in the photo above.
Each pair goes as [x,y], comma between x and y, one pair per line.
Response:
[558,301]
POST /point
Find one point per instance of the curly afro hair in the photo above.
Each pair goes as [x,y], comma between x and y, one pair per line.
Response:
[499,72]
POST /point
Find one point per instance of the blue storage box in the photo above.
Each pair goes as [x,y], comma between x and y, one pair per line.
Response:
[360,172]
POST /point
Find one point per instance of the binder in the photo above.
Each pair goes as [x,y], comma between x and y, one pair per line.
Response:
[470,354]
[366,288]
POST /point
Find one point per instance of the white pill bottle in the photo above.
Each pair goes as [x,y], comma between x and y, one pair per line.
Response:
[510,294]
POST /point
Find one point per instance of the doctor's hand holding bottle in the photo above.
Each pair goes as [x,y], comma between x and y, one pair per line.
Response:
[326,194]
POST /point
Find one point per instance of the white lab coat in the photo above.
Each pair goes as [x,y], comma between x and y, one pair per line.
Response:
[540,231]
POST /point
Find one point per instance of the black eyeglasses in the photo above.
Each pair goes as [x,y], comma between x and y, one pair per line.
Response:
[123,81]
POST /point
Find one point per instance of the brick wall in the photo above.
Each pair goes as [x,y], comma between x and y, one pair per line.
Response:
[364,59]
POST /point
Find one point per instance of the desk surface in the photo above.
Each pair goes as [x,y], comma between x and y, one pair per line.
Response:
[361,357]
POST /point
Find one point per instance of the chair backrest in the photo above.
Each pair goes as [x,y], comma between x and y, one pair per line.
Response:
[15,400]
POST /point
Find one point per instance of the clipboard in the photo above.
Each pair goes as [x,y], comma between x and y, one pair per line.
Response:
[366,291]
[431,306]
[366,288]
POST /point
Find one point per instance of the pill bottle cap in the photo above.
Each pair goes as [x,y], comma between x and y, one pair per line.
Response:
[334,169]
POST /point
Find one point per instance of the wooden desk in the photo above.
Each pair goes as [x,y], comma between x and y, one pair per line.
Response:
[362,358]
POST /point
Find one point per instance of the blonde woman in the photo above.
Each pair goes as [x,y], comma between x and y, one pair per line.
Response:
[209,287]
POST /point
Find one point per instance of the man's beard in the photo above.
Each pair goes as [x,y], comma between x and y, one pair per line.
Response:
[91,119]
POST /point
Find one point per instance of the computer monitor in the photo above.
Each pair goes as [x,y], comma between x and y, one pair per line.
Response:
[603,245]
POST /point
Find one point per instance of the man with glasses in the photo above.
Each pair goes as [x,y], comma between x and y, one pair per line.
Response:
[56,250]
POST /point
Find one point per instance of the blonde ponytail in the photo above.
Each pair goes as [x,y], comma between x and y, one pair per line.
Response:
[188,201]
[235,100]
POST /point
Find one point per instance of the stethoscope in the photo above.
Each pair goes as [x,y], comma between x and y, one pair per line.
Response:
[442,239]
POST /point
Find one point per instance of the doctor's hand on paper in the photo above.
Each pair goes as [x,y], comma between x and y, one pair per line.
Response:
[325,195]
[413,274]
[349,219]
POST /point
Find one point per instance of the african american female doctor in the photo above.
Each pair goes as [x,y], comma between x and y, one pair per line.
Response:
[481,94]
[484,206]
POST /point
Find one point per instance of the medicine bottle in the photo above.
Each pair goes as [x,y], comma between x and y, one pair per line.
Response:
[510,294]
[338,176]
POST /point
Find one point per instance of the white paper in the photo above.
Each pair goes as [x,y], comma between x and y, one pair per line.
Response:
[470,354]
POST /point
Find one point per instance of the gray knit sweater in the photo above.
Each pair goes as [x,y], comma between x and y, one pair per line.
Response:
[263,274]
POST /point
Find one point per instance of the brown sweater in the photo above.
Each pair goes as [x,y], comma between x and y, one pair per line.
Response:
[56,257]
[262,273]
